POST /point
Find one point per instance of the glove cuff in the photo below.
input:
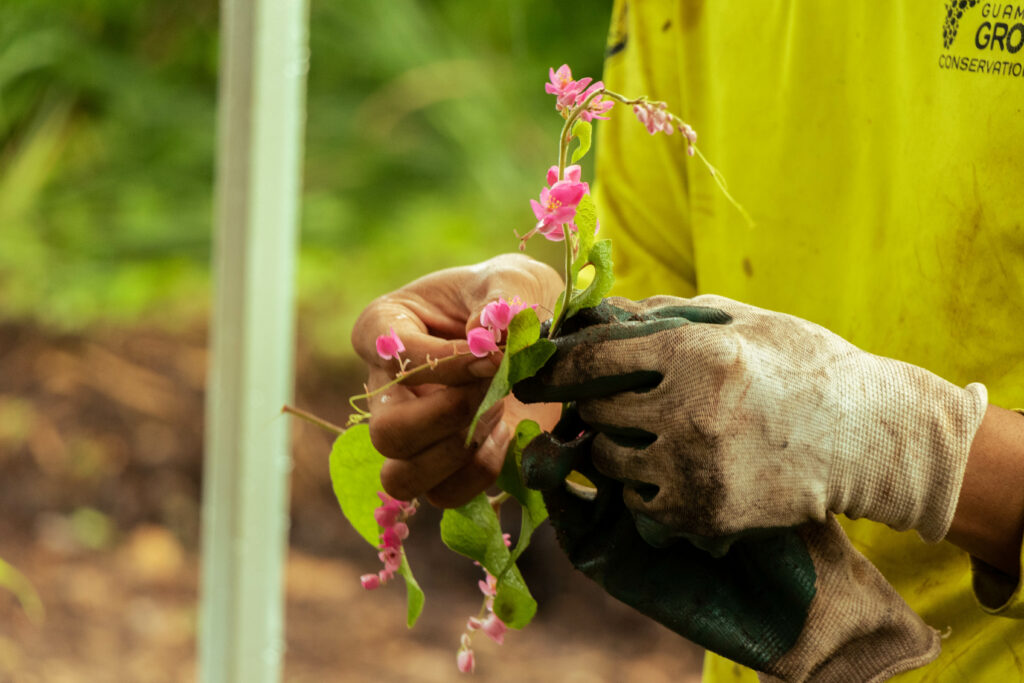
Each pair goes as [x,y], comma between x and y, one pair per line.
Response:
[901,461]
[858,628]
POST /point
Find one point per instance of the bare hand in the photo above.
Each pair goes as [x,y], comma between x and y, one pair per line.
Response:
[420,425]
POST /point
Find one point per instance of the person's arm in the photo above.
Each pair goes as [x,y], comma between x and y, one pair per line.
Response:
[989,518]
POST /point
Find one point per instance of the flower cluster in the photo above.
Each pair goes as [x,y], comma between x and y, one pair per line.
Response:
[489,623]
[495,319]
[390,516]
[569,93]
[656,117]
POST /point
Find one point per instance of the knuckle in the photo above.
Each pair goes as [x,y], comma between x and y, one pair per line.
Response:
[396,483]
[385,438]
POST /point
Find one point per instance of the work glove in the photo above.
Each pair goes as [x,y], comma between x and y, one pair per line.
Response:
[794,604]
[725,430]
[755,419]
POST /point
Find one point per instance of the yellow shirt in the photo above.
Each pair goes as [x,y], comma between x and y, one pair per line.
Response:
[879,148]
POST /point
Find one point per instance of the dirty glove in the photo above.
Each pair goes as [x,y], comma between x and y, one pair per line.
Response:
[763,420]
[795,604]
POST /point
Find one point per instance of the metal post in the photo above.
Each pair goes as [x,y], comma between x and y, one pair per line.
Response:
[263,64]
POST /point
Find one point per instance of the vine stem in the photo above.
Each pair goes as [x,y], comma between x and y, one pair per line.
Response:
[313,419]
[563,152]
[430,364]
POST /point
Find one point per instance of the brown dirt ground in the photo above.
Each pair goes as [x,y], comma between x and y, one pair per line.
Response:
[100,463]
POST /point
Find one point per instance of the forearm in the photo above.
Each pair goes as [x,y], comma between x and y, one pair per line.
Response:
[989,519]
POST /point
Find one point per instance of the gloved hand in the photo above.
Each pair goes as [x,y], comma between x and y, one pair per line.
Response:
[797,604]
[762,420]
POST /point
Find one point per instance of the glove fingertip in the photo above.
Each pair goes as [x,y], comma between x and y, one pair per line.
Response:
[546,462]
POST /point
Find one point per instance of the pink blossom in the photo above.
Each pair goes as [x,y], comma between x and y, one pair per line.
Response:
[494,628]
[498,314]
[393,535]
[655,117]
[389,345]
[369,581]
[557,204]
[563,87]
[490,586]
[481,341]
[572,174]
[391,556]
[557,234]
[464,660]
[391,538]
[597,106]
[386,515]
[691,136]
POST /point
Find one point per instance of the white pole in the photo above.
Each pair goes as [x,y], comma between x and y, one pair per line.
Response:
[263,64]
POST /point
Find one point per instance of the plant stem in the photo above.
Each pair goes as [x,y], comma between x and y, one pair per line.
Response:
[496,501]
[401,377]
[563,152]
[310,417]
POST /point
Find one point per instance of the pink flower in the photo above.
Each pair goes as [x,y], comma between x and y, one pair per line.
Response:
[655,117]
[597,106]
[481,341]
[393,535]
[494,628]
[557,205]
[498,314]
[386,515]
[688,132]
[391,556]
[389,345]
[464,660]
[691,136]
[563,87]
[572,174]
[369,581]
[490,586]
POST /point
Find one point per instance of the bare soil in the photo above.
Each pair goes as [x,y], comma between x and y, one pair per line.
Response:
[100,465]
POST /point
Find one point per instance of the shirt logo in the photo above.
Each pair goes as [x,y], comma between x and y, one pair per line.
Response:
[983,37]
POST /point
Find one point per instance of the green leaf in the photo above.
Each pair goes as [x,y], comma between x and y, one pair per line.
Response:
[355,474]
[601,258]
[473,531]
[414,597]
[527,362]
[520,361]
[522,331]
[15,581]
[468,529]
[512,602]
[498,390]
[511,481]
[581,131]
[586,222]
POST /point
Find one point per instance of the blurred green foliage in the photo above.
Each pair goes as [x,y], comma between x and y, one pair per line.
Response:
[428,131]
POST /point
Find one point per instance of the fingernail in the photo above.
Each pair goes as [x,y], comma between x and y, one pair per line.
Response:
[501,432]
[482,368]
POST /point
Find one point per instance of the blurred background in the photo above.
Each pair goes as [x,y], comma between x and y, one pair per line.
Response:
[428,131]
